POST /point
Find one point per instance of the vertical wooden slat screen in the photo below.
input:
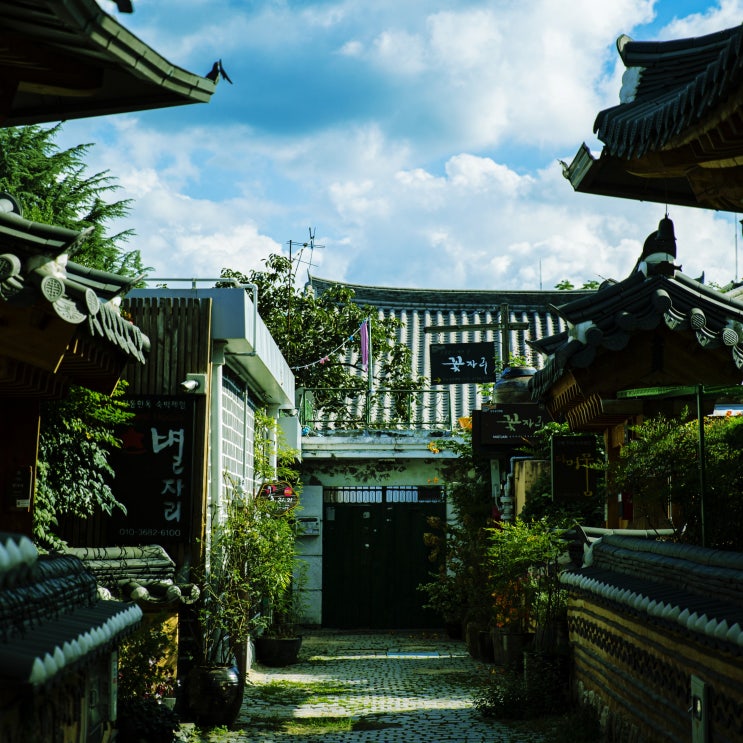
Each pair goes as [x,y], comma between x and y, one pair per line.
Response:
[180,335]
[179,330]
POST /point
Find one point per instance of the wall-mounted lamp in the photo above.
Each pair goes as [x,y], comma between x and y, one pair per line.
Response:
[194,384]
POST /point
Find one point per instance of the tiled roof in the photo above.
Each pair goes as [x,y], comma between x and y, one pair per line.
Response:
[51,617]
[145,574]
[467,300]
[677,84]
[684,588]
[35,272]
[676,136]
[421,310]
[68,59]
[655,294]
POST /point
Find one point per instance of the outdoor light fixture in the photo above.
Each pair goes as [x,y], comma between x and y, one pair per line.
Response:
[194,384]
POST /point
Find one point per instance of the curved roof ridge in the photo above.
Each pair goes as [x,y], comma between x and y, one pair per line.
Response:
[680,81]
[457,296]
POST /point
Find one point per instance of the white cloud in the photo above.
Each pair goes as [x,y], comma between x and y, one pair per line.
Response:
[481,173]
[426,155]
[722,14]
[399,53]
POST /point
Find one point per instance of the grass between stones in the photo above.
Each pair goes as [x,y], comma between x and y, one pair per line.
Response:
[294,693]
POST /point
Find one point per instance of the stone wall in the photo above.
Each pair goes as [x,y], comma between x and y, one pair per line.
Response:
[648,617]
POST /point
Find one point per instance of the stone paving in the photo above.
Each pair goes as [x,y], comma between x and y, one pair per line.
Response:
[396,687]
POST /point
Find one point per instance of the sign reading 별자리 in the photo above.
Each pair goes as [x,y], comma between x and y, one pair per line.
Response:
[506,424]
[153,472]
[462,363]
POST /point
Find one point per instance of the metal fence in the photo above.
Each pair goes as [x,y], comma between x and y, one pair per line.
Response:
[389,409]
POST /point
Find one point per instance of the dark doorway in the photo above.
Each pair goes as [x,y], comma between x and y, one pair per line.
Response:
[374,557]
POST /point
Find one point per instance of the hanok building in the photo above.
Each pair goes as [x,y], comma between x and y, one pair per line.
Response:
[675,138]
[376,479]
[653,624]
[60,325]
[649,344]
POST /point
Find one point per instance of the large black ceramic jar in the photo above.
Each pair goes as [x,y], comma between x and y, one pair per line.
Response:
[513,385]
[215,694]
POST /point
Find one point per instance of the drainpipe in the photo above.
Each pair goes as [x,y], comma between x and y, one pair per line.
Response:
[273,411]
[246,450]
[215,503]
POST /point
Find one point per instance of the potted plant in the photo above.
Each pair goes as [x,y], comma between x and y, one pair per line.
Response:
[522,557]
[146,685]
[281,641]
[250,568]
[227,613]
[547,662]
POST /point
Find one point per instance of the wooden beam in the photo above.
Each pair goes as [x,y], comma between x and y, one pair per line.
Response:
[36,68]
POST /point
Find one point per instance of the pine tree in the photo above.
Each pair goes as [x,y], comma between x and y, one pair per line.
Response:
[52,187]
[77,433]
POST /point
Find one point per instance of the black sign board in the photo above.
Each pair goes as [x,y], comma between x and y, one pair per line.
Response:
[462,363]
[506,425]
[153,472]
[573,461]
[21,488]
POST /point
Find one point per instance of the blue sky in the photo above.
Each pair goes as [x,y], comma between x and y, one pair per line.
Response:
[419,141]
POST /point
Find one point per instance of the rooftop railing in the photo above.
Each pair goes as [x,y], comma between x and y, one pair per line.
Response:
[323,409]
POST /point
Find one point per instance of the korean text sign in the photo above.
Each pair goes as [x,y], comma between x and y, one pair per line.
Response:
[154,472]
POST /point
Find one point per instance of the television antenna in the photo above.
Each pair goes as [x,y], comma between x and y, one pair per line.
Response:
[302,245]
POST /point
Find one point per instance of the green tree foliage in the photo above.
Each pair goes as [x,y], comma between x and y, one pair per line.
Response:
[660,466]
[313,332]
[77,433]
[567,285]
[52,187]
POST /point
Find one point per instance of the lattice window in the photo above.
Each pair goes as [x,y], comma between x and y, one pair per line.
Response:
[384,494]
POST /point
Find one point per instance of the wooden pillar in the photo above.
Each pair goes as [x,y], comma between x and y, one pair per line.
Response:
[19,447]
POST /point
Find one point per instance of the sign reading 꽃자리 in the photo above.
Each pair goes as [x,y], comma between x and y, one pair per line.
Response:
[462,363]
[506,424]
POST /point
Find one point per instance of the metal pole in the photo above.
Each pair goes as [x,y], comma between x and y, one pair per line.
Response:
[702,457]
[505,340]
[369,372]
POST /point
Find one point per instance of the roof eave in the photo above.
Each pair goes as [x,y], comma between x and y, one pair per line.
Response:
[134,76]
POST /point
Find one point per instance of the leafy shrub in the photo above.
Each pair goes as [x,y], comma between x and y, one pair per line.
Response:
[503,697]
[142,668]
[143,718]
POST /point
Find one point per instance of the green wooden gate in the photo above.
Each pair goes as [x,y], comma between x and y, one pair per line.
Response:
[374,557]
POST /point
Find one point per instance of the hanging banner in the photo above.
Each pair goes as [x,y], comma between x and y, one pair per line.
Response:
[462,363]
